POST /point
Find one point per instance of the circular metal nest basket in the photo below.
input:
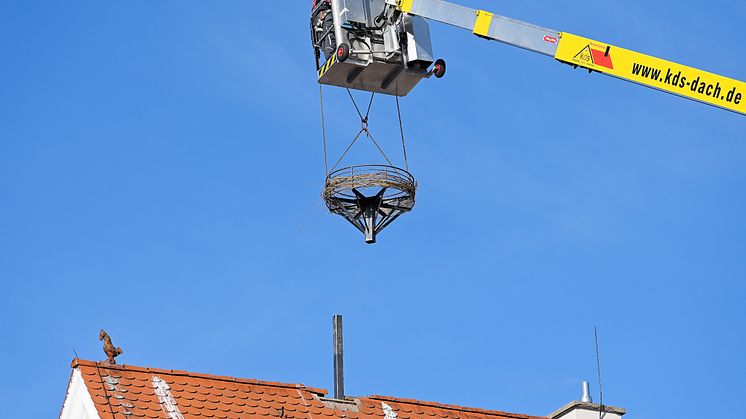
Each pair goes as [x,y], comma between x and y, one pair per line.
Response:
[370,197]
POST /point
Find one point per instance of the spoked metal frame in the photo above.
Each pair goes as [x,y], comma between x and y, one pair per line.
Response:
[351,193]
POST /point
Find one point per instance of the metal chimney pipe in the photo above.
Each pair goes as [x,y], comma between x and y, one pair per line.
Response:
[586,397]
[339,379]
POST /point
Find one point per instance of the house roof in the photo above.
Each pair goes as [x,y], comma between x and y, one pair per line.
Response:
[124,391]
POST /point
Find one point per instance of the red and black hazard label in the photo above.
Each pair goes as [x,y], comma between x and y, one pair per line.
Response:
[594,56]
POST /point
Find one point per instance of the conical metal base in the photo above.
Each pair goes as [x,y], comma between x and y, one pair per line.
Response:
[368,208]
[369,214]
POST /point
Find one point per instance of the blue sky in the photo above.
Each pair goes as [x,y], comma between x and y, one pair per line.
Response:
[160,177]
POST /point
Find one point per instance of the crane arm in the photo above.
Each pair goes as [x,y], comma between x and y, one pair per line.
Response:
[485,24]
[649,71]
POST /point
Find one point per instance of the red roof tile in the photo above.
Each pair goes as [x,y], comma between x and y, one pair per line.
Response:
[123,391]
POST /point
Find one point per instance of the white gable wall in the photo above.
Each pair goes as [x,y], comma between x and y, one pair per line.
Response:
[78,403]
[589,414]
[582,410]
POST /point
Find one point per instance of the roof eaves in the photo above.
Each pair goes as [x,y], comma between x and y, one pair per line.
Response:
[452,407]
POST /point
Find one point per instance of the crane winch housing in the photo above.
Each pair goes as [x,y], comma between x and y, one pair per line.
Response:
[376,48]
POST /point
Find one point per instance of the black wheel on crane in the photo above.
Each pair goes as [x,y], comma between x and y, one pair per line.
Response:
[343,52]
[439,69]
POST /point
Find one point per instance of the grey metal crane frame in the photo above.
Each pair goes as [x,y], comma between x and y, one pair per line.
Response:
[379,49]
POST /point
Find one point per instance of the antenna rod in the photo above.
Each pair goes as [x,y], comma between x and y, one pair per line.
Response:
[598,367]
[339,380]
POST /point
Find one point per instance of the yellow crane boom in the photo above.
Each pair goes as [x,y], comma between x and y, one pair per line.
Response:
[646,70]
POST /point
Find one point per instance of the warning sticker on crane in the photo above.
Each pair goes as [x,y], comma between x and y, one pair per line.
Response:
[594,57]
[654,72]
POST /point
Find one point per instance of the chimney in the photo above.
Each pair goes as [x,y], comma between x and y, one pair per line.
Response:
[339,379]
[586,397]
[586,409]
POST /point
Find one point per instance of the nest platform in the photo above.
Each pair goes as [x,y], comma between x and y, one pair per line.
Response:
[370,197]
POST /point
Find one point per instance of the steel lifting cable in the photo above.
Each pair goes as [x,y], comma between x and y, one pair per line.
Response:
[362,119]
[352,98]
[364,129]
[369,135]
[346,151]
[323,129]
[401,131]
[364,122]
[372,95]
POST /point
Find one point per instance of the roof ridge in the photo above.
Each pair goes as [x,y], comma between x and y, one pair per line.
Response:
[450,406]
[124,367]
